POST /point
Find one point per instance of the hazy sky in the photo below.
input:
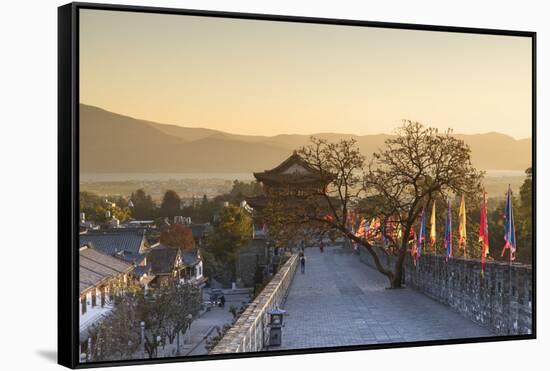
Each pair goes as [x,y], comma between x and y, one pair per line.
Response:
[268,78]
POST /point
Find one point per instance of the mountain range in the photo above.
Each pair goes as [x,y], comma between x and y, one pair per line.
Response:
[114,143]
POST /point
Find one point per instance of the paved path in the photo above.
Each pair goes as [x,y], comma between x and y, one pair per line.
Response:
[193,343]
[341,301]
[204,326]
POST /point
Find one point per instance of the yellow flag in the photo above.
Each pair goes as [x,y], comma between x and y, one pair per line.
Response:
[462,225]
[433,235]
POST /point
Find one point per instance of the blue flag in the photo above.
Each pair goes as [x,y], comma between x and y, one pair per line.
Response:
[421,234]
[509,228]
[448,232]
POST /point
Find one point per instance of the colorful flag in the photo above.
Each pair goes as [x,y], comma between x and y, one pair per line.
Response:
[349,221]
[374,229]
[414,246]
[433,235]
[399,232]
[421,234]
[384,239]
[484,232]
[448,232]
[509,228]
[462,225]
[363,229]
[412,237]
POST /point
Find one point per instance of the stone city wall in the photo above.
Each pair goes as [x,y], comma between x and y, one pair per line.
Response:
[500,300]
[250,331]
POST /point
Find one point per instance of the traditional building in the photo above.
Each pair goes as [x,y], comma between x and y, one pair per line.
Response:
[294,177]
[129,245]
[253,256]
[200,232]
[101,276]
[170,264]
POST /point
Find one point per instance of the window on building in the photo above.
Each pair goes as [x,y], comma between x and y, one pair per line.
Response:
[93,297]
[83,303]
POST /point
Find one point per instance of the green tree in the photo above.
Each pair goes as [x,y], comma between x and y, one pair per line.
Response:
[232,231]
[166,312]
[118,335]
[213,268]
[524,220]
[143,205]
[204,202]
[89,200]
[241,190]
[171,204]
[97,208]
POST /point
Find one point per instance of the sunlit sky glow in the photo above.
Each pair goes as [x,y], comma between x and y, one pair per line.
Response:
[268,78]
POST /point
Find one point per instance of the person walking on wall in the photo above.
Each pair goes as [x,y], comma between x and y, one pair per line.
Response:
[302,263]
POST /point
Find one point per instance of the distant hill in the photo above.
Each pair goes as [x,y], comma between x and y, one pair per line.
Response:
[110,142]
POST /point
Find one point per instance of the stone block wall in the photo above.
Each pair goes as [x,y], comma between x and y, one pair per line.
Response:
[500,300]
[250,257]
[250,332]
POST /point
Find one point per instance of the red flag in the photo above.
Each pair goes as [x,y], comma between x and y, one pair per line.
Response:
[484,232]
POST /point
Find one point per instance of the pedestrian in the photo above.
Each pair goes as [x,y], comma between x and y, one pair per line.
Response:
[302,262]
[222,301]
[322,246]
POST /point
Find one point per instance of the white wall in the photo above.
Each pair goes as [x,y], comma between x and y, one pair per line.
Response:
[28,155]
[94,313]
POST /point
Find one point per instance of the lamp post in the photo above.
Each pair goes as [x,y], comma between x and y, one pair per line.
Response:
[178,343]
[190,318]
[142,325]
[89,349]
[275,326]
[157,346]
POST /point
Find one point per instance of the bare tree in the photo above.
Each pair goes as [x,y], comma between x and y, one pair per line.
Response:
[416,166]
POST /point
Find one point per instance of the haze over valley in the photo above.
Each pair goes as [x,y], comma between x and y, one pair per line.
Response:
[119,154]
[113,143]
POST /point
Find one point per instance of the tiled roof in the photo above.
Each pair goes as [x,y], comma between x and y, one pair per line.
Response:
[95,267]
[281,174]
[199,230]
[162,259]
[190,257]
[140,270]
[129,245]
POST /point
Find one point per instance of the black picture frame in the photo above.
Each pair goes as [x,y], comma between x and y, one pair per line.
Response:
[68,176]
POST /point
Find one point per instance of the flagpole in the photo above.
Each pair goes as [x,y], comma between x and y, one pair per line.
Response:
[509,195]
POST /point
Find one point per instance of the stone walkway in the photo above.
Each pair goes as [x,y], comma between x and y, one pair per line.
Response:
[340,301]
[204,326]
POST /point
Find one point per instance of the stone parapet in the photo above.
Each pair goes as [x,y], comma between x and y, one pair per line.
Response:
[250,332]
[500,300]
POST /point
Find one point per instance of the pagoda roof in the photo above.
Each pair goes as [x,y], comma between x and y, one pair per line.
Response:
[292,170]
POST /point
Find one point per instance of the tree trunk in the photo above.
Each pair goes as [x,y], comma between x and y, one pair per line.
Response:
[397,279]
